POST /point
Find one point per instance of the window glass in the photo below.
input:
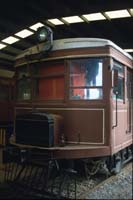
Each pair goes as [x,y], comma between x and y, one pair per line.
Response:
[23,89]
[86,79]
[120,88]
[49,85]
[23,84]
[92,93]
[45,80]
[50,68]
[51,88]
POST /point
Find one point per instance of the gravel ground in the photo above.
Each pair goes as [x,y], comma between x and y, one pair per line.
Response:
[116,187]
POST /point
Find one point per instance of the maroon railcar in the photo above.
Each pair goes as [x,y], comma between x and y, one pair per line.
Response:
[77,98]
[6,104]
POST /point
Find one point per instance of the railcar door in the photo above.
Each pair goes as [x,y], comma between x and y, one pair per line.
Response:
[119,107]
[129,101]
[122,109]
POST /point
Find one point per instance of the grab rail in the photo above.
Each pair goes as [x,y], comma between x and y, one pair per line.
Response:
[116,113]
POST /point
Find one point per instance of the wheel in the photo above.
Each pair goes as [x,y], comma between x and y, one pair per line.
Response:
[117,164]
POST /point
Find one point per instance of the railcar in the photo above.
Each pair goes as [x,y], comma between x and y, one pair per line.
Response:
[74,101]
[6,104]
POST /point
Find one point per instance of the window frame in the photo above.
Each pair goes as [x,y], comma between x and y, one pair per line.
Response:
[86,87]
[18,79]
[33,78]
[121,76]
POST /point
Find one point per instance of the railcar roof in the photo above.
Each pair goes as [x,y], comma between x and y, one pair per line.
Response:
[73,43]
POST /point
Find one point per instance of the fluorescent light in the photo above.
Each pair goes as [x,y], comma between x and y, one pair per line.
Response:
[10,40]
[24,33]
[131,11]
[94,16]
[55,21]
[2,46]
[117,14]
[36,26]
[128,50]
[72,19]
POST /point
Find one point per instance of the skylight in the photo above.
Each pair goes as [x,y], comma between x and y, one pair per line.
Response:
[117,14]
[72,19]
[10,40]
[24,33]
[55,21]
[94,17]
[36,26]
[68,20]
[2,46]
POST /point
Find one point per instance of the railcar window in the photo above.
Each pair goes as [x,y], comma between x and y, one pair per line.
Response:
[49,81]
[24,91]
[23,84]
[120,87]
[86,79]
[41,81]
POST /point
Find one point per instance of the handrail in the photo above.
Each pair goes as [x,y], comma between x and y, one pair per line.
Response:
[116,113]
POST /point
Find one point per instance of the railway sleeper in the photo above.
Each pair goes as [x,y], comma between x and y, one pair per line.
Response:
[62,183]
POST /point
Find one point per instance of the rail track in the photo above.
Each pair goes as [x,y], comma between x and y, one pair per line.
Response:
[29,180]
[119,186]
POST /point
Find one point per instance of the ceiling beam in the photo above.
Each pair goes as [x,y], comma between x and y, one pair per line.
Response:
[5,64]
[6,56]
[12,49]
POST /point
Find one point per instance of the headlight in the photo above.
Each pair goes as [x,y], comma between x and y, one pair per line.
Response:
[45,34]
